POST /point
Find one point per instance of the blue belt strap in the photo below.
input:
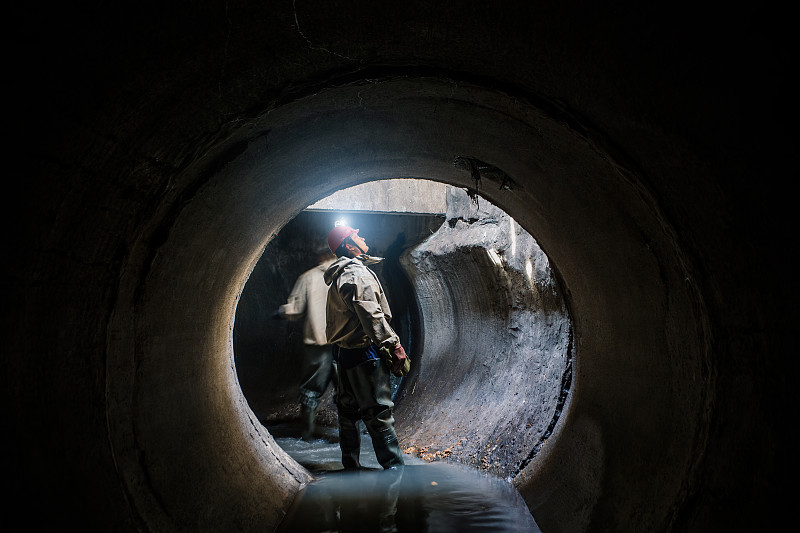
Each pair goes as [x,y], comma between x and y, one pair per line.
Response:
[350,357]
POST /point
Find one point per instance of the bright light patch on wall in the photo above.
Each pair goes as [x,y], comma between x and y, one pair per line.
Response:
[340,222]
[529,269]
[513,233]
[494,257]
[400,195]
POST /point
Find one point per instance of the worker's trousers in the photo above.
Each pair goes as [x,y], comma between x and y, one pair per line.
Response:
[318,372]
[364,393]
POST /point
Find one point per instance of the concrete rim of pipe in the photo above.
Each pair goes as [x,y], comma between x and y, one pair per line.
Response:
[189,450]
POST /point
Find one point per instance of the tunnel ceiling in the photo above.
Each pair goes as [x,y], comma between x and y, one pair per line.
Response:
[163,146]
[396,196]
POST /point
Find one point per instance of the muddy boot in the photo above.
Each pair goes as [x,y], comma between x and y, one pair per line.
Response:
[307,418]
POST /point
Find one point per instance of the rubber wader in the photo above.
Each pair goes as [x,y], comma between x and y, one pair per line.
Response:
[318,373]
[364,393]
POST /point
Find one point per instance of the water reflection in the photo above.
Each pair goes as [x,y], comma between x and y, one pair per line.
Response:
[416,498]
[419,497]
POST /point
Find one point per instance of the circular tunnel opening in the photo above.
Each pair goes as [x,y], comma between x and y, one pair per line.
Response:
[189,447]
[473,299]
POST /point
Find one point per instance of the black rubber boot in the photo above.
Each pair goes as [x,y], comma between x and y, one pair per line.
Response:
[387,448]
[371,387]
[307,417]
[349,442]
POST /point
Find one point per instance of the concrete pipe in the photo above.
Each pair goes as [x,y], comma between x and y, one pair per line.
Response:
[167,145]
[638,405]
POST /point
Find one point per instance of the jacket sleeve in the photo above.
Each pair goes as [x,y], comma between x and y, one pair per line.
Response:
[367,307]
[295,306]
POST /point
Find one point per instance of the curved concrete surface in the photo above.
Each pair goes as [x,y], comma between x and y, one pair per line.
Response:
[494,370]
[167,145]
[172,324]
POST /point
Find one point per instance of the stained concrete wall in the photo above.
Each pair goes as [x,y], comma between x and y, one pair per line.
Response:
[162,146]
[495,368]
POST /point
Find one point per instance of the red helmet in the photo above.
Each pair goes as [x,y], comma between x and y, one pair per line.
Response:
[338,235]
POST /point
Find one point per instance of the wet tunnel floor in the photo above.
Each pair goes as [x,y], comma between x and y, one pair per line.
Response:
[419,497]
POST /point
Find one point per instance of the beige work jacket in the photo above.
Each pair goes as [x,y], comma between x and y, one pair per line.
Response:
[308,299]
[357,309]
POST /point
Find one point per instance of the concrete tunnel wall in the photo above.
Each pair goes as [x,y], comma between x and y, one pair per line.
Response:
[494,370]
[163,146]
[178,354]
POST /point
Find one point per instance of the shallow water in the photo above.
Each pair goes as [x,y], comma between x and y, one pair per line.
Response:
[322,454]
[419,497]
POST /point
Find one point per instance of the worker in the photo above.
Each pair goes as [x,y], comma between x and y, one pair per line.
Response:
[365,350]
[307,300]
